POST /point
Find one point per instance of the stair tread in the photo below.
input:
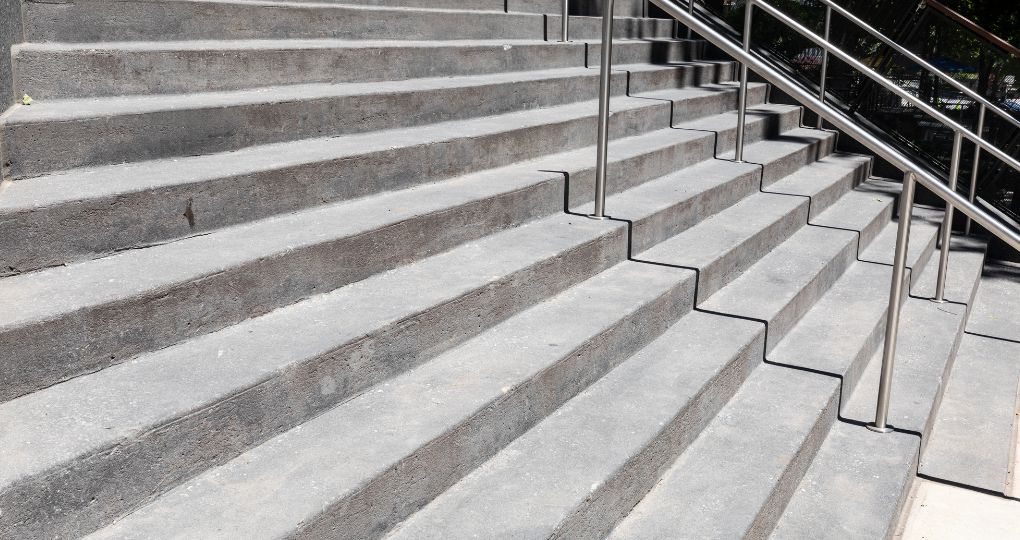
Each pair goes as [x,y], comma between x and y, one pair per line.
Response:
[720,485]
[972,439]
[300,43]
[994,311]
[91,182]
[854,487]
[68,109]
[570,456]
[727,230]
[386,424]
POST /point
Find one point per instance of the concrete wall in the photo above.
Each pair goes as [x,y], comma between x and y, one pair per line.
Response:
[10,33]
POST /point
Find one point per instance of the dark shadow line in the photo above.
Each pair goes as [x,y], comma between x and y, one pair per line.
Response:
[996,338]
[863,424]
[968,487]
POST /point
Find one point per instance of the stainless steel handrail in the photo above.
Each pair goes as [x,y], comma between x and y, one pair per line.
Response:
[921,62]
[912,172]
[565,21]
[886,83]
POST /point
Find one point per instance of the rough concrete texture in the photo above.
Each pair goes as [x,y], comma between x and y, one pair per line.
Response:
[995,313]
[651,407]
[854,489]
[409,439]
[735,479]
[10,34]
[972,441]
[246,237]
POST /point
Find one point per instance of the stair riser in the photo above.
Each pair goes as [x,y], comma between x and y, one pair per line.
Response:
[640,52]
[615,498]
[732,264]
[622,8]
[181,132]
[91,21]
[377,507]
[795,470]
[590,28]
[57,237]
[774,169]
[48,73]
[96,488]
[806,297]
[694,74]
[692,211]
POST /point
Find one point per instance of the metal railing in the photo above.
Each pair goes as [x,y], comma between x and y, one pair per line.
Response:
[913,173]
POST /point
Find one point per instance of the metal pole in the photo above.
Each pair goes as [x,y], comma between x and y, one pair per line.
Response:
[974,167]
[603,140]
[742,97]
[825,63]
[565,22]
[947,220]
[892,322]
[690,9]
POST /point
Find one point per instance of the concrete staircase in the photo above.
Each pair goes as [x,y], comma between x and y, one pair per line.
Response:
[322,269]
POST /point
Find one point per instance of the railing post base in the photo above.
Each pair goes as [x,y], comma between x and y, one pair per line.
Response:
[877,429]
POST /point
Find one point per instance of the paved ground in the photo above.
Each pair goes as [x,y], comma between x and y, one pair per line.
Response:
[940,512]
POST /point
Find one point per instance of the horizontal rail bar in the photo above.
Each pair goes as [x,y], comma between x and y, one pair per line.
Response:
[889,85]
[842,122]
[921,62]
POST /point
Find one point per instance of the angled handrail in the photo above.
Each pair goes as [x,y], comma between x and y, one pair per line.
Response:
[913,173]
[969,92]
[995,40]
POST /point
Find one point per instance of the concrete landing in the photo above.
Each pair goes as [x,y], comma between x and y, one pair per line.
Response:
[940,512]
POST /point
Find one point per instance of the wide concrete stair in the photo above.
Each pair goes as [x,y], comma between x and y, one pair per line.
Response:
[324,269]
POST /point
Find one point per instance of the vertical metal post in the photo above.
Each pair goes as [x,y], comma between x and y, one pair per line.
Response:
[977,161]
[947,221]
[565,22]
[603,136]
[690,9]
[892,322]
[825,62]
[742,97]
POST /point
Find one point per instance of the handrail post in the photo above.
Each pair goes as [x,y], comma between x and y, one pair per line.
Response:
[825,62]
[892,321]
[947,221]
[974,167]
[738,153]
[690,9]
[565,22]
[603,134]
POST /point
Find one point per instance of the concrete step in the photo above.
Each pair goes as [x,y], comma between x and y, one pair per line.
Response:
[562,479]
[314,367]
[622,8]
[90,21]
[994,314]
[780,288]
[857,485]
[972,439]
[408,440]
[854,488]
[189,196]
[724,246]
[90,132]
[930,335]
[825,340]
[75,70]
[272,372]
[722,486]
